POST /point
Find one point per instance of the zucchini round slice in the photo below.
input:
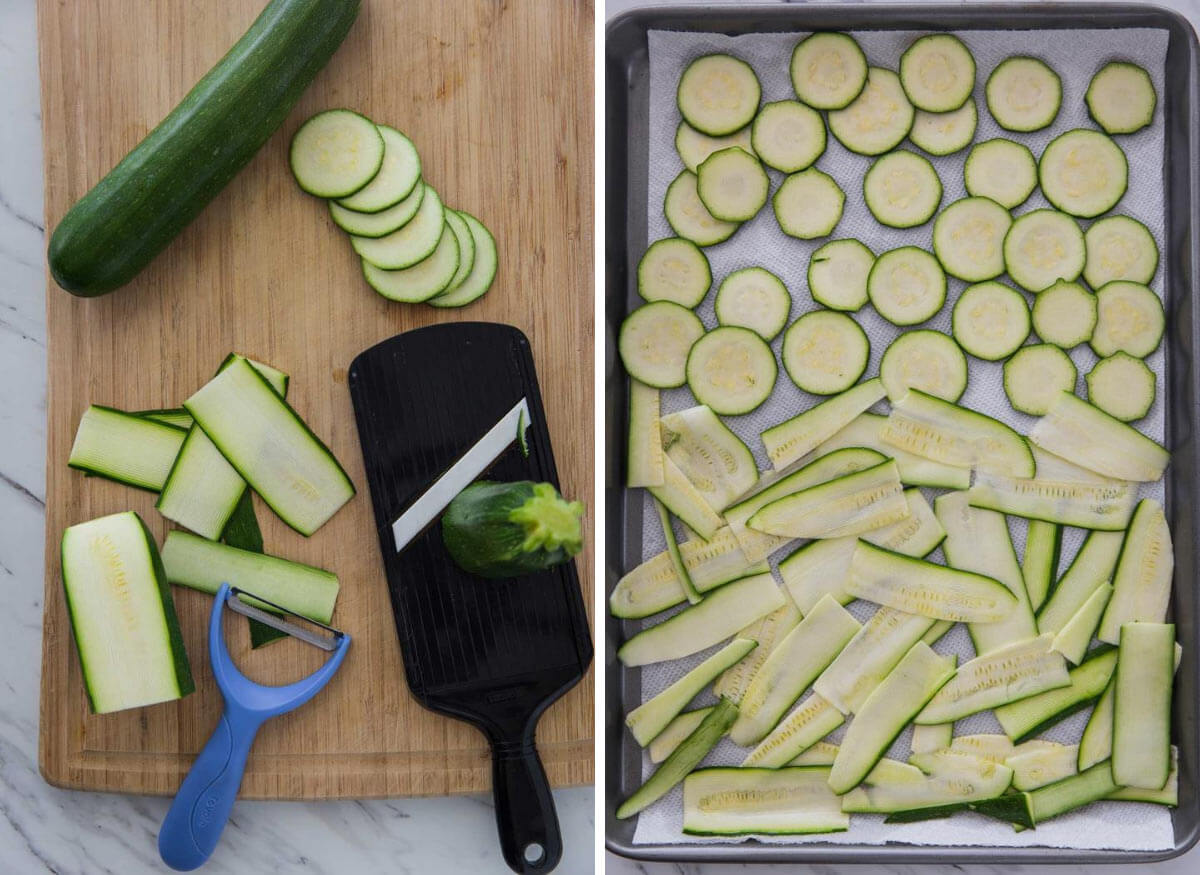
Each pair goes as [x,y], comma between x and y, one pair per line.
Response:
[944,133]
[788,136]
[1042,248]
[828,70]
[1002,170]
[1119,248]
[825,352]
[674,269]
[1023,94]
[693,147]
[1129,319]
[689,218]
[937,72]
[1036,375]
[754,298]
[732,185]
[837,274]
[466,248]
[808,204]
[878,119]
[483,268]
[1065,314]
[378,224]
[1083,173]
[1122,386]
[906,285]
[335,153]
[732,370]
[926,360]
[411,242]
[423,280]
[968,239]
[654,343]
[990,320]
[1121,98]
[397,178]
[902,190]
[718,94]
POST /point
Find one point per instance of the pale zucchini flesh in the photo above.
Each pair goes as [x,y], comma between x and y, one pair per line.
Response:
[644,462]
[1042,248]
[788,135]
[902,190]
[1089,437]
[1121,98]
[1002,170]
[1083,172]
[1073,792]
[768,631]
[926,360]
[972,782]
[381,223]
[825,352]
[917,534]
[1023,94]
[718,94]
[906,286]
[849,505]
[1097,506]
[809,722]
[1073,639]
[711,456]
[817,569]
[1122,386]
[944,133]
[693,147]
[731,369]
[837,274]
[968,239]
[828,70]
[689,218]
[1035,375]
[866,430]
[654,342]
[1039,565]
[1142,579]
[800,435]
[675,732]
[808,204]
[991,320]
[1119,248]
[878,119]
[937,736]
[937,72]
[732,185]
[412,242]
[1037,768]
[743,801]
[1065,314]
[335,153]
[1024,719]
[1092,567]
[125,447]
[753,298]
[423,280]
[398,176]
[681,572]
[1129,319]
[482,272]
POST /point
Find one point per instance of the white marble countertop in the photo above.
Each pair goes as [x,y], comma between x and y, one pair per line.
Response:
[43,829]
[1189,863]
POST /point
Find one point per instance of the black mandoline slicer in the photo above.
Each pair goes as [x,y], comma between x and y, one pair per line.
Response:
[494,653]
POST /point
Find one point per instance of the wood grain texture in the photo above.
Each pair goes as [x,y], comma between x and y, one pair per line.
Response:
[498,98]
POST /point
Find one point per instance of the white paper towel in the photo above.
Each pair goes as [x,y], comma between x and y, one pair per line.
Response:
[1075,55]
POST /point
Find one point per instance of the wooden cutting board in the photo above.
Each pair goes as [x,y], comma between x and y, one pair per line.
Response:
[498,98]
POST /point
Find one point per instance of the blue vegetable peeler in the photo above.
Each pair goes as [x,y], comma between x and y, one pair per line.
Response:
[194,823]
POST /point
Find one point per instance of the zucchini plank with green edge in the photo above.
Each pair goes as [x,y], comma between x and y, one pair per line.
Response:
[382,223]
[1044,247]
[125,447]
[479,278]
[689,218]
[1121,98]
[768,631]
[718,94]
[742,801]
[684,500]
[1092,566]
[944,133]
[825,352]
[693,147]
[968,239]
[1039,564]
[1129,319]
[711,456]
[927,739]
[969,782]
[1002,170]
[681,573]
[1168,795]
[1027,718]
[837,274]
[646,721]
[848,505]
[1095,745]
[1083,173]
[1142,579]
[654,342]
[1087,436]
[423,280]
[817,569]
[1035,375]
[644,459]
[990,321]
[156,190]
[866,430]
[731,369]
[878,119]
[732,185]
[1102,506]
[828,70]
[753,298]
[122,615]
[1065,314]
[906,286]
[886,770]
[788,135]
[1074,638]
[902,190]
[917,534]
[398,176]
[1074,792]
[1037,768]
[1023,94]
[1122,386]
[1119,248]
[926,360]
[175,416]
[797,437]
[675,732]
[242,531]
[674,269]
[808,204]
[809,722]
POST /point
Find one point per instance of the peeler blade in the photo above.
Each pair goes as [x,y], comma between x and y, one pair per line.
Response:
[328,641]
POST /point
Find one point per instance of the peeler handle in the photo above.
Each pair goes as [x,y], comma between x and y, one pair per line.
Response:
[525,814]
[197,817]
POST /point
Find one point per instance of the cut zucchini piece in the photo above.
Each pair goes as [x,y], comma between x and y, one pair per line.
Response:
[381,223]
[481,273]
[681,573]
[1024,719]
[1001,170]
[800,435]
[689,218]
[944,133]
[816,569]
[684,500]
[885,713]
[906,286]
[849,505]
[644,466]
[937,72]
[1083,173]
[1119,248]
[788,136]
[646,721]
[1037,768]
[718,94]
[1091,568]
[868,658]
[674,269]
[902,190]
[1122,386]
[1089,437]
[1036,375]
[693,147]
[1121,98]
[722,613]
[1073,792]
[719,465]
[937,631]
[768,631]
[732,185]
[655,340]
[204,565]
[1073,639]
[1006,674]
[682,760]
[1095,745]
[412,242]
[878,119]
[731,369]
[1129,319]
[954,435]
[917,534]
[466,249]
[1023,94]
[675,733]
[866,430]
[806,725]
[968,239]
[800,657]
[791,801]
[991,321]
[1042,248]
[837,274]
[808,204]
[1142,579]
[927,589]
[926,360]
[1104,506]
[122,615]
[927,739]
[825,352]
[398,176]
[335,153]
[969,782]
[175,416]
[828,70]
[753,298]
[125,447]
[426,279]
[1168,795]
[1039,565]
[202,490]
[1065,314]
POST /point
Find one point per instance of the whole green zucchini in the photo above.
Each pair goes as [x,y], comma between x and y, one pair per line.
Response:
[510,529]
[131,214]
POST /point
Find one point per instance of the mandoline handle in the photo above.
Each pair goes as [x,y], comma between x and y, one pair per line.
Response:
[525,815]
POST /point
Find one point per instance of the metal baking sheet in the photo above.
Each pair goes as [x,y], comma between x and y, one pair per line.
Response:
[627,123]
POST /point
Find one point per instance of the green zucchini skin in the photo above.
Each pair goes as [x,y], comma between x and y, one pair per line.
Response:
[509,529]
[130,215]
